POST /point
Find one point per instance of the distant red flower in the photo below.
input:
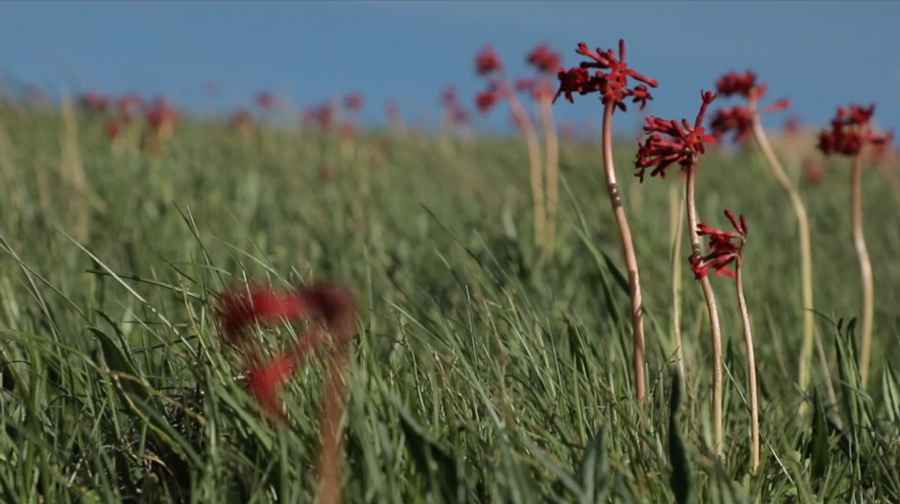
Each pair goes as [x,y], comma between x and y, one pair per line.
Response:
[488,61]
[129,105]
[743,84]
[851,131]
[332,308]
[486,100]
[113,129]
[670,141]
[354,102]
[267,101]
[322,115]
[160,114]
[454,110]
[737,120]
[546,60]
[725,247]
[94,101]
[612,84]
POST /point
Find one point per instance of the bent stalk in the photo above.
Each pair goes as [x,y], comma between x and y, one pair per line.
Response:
[634,281]
[787,185]
[713,312]
[751,368]
[551,152]
[865,268]
[534,162]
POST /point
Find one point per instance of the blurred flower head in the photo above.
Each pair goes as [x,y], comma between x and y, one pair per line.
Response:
[546,60]
[851,131]
[488,61]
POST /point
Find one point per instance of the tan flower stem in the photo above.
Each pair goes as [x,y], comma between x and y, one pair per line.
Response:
[534,162]
[330,428]
[634,281]
[676,224]
[751,367]
[865,268]
[551,167]
[806,352]
[713,312]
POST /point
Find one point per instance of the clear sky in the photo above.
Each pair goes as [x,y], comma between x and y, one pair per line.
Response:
[820,54]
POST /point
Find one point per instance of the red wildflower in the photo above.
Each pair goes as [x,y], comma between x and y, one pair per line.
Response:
[321,115]
[725,247]
[612,84]
[546,60]
[851,130]
[331,307]
[354,102]
[113,129]
[488,61]
[486,100]
[744,84]
[738,120]
[671,141]
[161,116]
[94,101]
[267,101]
[129,105]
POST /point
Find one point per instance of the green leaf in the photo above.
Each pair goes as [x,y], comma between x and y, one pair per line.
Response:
[593,471]
[680,480]
[432,462]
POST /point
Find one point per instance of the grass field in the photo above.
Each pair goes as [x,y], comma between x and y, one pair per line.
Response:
[480,372]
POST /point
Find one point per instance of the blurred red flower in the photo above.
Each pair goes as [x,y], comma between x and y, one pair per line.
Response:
[851,131]
[354,102]
[488,61]
[546,60]
[671,141]
[725,247]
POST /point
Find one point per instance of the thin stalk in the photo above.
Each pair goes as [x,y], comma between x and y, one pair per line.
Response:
[551,167]
[751,368]
[806,280]
[713,312]
[676,224]
[330,459]
[534,161]
[865,269]
[634,281]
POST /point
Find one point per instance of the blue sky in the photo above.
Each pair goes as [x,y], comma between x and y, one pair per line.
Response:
[819,54]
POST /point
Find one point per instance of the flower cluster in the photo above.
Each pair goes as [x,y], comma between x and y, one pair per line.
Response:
[322,115]
[354,102]
[332,308]
[611,84]
[161,117]
[671,141]
[267,101]
[738,120]
[488,61]
[850,131]
[546,60]
[724,247]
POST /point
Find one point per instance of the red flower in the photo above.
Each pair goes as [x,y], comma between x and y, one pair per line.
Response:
[744,84]
[354,102]
[612,85]
[725,247]
[321,115]
[161,116]
[267,101]
[94,101]
[129,105]
[851,130]
[488,61]
[486,100]
[640,94]
[738,120]
[671,141]
[546,60]
[331,307]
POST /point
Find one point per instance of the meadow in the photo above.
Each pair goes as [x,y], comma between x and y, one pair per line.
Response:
[482,369]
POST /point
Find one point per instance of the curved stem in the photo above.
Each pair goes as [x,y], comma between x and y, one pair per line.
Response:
[534,162]
[551,145]
[778,172]
[865,269]
[713,312]
[634,279]
[676,224]
[751,368]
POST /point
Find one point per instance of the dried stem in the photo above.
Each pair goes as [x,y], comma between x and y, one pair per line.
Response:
[534,161]
[551,146]
[713,312]
[865,267]
[634,281]
[334,398]
[806,353]
[676,224]
[751,368]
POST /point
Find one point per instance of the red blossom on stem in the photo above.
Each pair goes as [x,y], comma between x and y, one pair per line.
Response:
[267,101]
[94,101]
[321,115]
[725,247]
[331,308]
[161,116]
[354,102]
[738,120]
[851,131]
[611,84]
[486,100]
[546,60]
[128,106]
[488,61]
[671,141]
[454,110]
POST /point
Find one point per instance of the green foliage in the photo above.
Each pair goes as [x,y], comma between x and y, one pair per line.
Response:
[481,372]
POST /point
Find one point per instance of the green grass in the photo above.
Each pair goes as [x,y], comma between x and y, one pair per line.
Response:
[479,374]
